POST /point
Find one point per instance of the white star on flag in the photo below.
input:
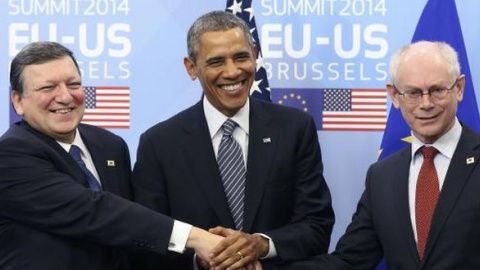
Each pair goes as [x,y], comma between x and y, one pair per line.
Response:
[236,7]
[256,87]
[260,62]
[249,10]
[244,10]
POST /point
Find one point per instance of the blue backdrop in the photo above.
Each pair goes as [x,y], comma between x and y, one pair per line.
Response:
[307,44]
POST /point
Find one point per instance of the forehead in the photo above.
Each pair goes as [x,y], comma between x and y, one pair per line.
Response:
[51,70]
[228,40]
[423,67]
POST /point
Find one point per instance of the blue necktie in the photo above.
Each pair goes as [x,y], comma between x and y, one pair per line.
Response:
[232,170]
[92,181]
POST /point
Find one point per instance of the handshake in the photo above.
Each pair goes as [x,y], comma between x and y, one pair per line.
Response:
[221,248]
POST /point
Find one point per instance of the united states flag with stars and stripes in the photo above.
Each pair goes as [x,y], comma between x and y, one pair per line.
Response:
[107,107]
[244,10]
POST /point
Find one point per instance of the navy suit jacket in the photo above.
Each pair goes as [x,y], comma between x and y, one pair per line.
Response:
[286,196]
[49,219]
[381,226]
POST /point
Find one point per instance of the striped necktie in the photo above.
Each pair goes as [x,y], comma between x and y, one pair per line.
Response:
[232,170]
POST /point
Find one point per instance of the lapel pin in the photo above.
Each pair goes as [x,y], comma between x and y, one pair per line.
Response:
[111,163]
[470,160]
[267,140]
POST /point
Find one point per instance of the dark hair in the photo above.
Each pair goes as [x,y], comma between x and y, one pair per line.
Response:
[214,21]
[32,54]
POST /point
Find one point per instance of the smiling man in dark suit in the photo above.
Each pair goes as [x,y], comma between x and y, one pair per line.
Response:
[281,208]
[63,212]
[420,208]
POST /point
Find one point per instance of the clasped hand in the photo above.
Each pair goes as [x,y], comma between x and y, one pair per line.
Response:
[238,250]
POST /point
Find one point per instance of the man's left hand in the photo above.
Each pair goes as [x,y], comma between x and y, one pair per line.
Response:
[237,250]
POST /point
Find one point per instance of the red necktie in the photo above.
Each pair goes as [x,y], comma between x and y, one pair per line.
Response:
[426,197]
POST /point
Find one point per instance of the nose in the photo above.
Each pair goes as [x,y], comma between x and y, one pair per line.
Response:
[426,100]
[63,94]
[231,69]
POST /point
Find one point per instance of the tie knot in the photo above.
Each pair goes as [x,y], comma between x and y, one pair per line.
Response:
[75,152]
[429,152]
[228,126]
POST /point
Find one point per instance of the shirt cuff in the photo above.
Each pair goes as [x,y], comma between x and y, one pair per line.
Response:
[179,237]
[272,251]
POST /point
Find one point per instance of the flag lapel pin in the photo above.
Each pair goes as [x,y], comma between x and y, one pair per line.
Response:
[111,163]
[470,160]
[267,140]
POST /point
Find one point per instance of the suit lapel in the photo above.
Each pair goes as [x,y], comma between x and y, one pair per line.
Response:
[400,182]
[198,150]
[262,143]
[457,176]
[99,157]
[71,166]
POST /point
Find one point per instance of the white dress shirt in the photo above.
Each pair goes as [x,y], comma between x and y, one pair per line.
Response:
[215,120]
[446,146]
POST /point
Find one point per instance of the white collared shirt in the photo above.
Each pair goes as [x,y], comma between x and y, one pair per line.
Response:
[215,120]
[84,153]
[446,146]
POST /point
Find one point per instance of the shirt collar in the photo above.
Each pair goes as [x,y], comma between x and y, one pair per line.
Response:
[215,118]
[77,140]
[445,145]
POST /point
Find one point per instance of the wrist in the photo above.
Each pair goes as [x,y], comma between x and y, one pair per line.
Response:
[264,245]
[194,238]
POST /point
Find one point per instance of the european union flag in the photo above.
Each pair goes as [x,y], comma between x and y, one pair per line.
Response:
[338,109]
[307,100]
[439,22]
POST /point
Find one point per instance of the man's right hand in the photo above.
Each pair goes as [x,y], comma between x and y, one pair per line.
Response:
[202,242]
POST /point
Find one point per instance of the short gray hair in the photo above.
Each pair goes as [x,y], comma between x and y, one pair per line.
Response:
[210,22]
[35,53]
[445,50]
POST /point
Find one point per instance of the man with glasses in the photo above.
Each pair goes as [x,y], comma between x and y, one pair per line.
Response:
[421,206]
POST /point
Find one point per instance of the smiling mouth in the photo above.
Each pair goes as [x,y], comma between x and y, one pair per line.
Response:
[62,111]
[232,87]
[430,118]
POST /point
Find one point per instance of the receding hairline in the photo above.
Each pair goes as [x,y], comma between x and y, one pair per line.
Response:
[214,21]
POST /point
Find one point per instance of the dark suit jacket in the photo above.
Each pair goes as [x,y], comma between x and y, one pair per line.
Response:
[286,196]
[382,225]
[50,220]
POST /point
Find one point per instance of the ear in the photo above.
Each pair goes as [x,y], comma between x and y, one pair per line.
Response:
[17,102]
[255,51]
[393,95]
[460,87]
[190,67]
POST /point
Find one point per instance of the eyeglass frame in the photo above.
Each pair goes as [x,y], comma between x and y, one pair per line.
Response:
[439,89]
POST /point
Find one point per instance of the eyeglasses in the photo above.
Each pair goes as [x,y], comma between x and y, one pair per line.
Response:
[435,92]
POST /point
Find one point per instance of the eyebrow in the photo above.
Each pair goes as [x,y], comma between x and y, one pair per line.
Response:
[214,59]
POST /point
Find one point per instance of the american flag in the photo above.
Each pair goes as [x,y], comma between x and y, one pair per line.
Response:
[338,109]
[354,109]
[244,10]
[107,107]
